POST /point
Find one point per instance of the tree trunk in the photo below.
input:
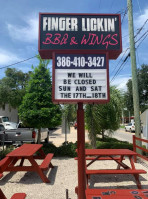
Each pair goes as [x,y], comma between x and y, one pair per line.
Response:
[103,136]
[39,136]
[93,141]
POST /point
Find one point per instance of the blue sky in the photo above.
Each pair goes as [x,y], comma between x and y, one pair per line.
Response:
[19,31]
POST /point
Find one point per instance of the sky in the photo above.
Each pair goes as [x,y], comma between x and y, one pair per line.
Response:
[19,32]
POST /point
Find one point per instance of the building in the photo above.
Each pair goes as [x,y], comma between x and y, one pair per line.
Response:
[10,112]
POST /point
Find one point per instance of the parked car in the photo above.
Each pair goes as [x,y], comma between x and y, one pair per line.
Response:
[4,120]
[131,127]
[22,135]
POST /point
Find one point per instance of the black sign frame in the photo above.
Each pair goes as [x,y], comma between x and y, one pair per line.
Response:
[47,49]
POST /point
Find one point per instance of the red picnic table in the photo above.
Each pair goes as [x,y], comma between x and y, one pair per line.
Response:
[27,151]
[116,155]
[116,193]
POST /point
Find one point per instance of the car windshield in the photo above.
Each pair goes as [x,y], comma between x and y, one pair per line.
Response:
[129,124]
[5,119]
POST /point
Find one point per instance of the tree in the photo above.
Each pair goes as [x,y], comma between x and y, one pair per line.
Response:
[70,112]
[102,117]
[142,74]
[37,109]
[13,87]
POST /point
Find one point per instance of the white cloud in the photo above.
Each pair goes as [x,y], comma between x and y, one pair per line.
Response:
[28,33]
[120,82]
[7,57]
[139,21]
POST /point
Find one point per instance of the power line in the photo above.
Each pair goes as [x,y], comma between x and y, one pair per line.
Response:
[120,60]
[18,62]
[142,41]
[141,37]
[119,69]
[125,61]
[140,28]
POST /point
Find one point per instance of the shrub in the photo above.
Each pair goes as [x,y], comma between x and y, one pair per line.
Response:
[112,143]
[6,151]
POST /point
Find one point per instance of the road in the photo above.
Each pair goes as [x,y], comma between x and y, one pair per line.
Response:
[120,134]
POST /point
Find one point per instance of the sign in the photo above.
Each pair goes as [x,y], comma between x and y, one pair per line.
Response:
[79,33]
[80,78]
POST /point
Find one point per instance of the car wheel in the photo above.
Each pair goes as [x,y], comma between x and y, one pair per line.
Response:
[130,130]
[125,130]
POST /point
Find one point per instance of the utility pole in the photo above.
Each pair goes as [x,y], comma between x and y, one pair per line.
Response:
[134,75]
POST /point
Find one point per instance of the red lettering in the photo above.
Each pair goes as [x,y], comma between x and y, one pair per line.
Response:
[57,38]
[84,40]
[73,41]
[106,42]
[48,39]
[115,40]
[64,40]
[96,39]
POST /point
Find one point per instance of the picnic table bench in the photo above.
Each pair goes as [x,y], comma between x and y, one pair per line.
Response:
[15,196]
[117,155]
[116,193]
[27,151]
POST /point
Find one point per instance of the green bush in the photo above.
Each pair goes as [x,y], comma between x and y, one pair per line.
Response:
[66,149]
[69,148]
[6,151]
[112,143]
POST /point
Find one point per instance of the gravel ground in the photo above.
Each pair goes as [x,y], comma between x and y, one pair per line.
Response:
[64,176]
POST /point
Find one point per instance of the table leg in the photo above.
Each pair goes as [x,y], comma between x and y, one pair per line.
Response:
[121,159]
[22,161]
[93,160]
[38,170]
[137,181]
[132,162]
[135,175]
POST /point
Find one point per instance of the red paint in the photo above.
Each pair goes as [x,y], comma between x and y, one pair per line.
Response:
[116,193]
[81,152]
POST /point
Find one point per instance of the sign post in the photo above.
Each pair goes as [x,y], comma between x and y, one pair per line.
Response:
[80,46]
[81,152]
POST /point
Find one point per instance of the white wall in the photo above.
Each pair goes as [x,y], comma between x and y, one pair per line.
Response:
[9,112]
[144,120]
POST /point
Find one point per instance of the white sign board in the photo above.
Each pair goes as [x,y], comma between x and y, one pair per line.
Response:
[80,78]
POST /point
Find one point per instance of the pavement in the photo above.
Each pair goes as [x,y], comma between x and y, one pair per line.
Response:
[57,138]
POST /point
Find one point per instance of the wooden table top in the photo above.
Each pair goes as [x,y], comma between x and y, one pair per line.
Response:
[109,152]
[25,150]
[116,193]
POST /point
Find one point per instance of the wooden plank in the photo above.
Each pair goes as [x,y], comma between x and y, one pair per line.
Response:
[101,158]
[4,163]
[47,162]
[19,196]
[115,171]
[116,193]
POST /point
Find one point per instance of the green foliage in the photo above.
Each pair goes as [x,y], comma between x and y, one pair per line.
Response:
[142,74]
[69,149]
[13,87]
[101,117]
[66,149]
[69,112]
[37,109]
[6,151]
[112,143]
